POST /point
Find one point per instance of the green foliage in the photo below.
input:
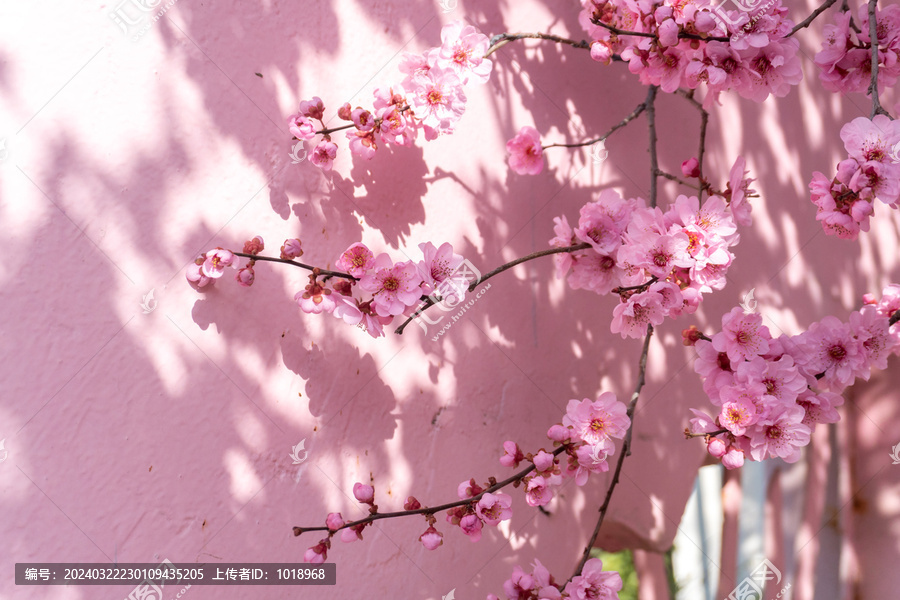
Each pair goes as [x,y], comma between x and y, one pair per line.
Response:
[623,562]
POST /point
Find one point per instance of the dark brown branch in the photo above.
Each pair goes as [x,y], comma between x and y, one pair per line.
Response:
[877,109]
[324,272]
[501,39]
[626,451]
[812,17]
[640,108]
[430,510]
[651,123]
[429,302]
[689,435]
[681,34]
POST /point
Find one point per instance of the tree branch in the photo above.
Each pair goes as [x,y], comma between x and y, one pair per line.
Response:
[325,272]
[812,17]
[877,109]
[637,111]
[654,161]
[626,451]
[501,39]
[429,302]
[430,510]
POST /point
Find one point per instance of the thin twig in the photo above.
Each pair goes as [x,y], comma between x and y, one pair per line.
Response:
[654,161]
[640,108]
[501,39]
[681,34]
[626,451]
[812,17]
[704,121]
[324,272]
[430,510]
[429,302]
[877,109]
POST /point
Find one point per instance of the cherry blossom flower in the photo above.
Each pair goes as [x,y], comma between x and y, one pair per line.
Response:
[315,299]
[314,109]
[216,262]
[194,273]
[781,434]
[463,49]
[356,260]
[394,286]
[597,421]
[519,585]
[828,347]
[323,155]
[439,101]
[525,152]
[493,508]
[743,336]
[512,455]
[594,583]
[471,525]
[301,127]
[438,266]
[538,491]
[631,317]
[254,246]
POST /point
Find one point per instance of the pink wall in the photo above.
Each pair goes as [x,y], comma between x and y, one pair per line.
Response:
[139,437]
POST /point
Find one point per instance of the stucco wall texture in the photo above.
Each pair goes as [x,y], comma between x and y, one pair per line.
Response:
[137,436]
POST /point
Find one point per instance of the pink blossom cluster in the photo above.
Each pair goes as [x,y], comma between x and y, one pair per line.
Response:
[845,61]
[660,263]
[871,170]
[490,509]
[208,267]
[772,392]
[334,522]
[593,584]
[390,288]
[431,97]
[694,43]
[587,432]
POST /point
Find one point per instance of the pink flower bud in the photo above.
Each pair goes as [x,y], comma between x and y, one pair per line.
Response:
[195,276]
[690,168]
[334,521]
[733,458]
[690,336]
[317,554]
[364,493]
[558,433]
[412,504]
[543,461]
[513,455]
[291,249]
[431,539]
[345,111]
[869,299]
[716,447]
[471,525]
[254,246]
[468,489]
[601,52]
[245,276]
[350,535]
